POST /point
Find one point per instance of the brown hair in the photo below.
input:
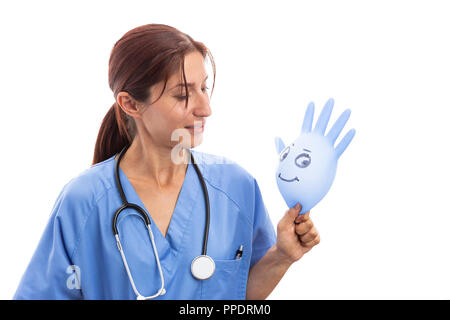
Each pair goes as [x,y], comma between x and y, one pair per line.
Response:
[143,57]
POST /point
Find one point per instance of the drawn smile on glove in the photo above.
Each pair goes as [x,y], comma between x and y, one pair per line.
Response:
[290,180]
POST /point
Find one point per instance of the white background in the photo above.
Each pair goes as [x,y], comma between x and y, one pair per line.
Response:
[384,224]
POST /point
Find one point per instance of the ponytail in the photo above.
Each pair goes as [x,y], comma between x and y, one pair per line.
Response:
[114,134]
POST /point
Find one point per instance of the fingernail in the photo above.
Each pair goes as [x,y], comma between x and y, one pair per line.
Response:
[297,206]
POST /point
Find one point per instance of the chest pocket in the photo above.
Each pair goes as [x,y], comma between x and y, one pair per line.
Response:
[227,282]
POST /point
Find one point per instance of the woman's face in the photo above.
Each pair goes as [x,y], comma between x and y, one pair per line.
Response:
[165,120]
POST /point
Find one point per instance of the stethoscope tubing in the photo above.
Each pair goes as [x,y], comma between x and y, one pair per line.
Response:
[205,192]
[126,204]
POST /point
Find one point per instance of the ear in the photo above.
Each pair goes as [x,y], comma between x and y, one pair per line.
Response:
[279,145]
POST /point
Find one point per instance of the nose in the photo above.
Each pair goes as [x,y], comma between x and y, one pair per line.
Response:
[202,107]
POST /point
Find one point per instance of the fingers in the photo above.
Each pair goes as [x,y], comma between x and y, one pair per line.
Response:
[279,144]
[338,126]
[308,119]
[310,235]
[345,142]
[311,243]
[322,122]
[306,231]
[301,217]
[304,227]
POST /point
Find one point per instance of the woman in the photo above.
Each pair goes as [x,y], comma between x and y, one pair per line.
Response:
[158,78]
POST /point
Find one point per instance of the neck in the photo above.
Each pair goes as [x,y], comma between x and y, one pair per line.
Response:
[149,163]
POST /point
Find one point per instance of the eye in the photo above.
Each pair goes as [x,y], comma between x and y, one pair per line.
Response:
[284,154]
[181,97]
[184,97]
[303,160]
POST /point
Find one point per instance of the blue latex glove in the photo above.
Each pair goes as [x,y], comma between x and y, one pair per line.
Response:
[307,167]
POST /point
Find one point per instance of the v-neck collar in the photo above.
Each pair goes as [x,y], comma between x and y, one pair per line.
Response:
[174,241]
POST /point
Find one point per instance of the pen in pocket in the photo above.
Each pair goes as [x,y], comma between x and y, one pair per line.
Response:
[239,252]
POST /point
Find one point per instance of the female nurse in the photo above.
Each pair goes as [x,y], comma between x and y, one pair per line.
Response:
[158,78]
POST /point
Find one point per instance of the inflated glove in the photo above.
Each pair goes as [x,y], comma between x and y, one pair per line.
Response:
[307,166]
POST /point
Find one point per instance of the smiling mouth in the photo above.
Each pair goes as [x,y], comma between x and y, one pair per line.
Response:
[287,180]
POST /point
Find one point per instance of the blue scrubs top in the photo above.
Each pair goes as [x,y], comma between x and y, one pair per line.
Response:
[77,256]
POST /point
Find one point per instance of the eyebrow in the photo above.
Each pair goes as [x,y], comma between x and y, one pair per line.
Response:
[189,84]
[306,150]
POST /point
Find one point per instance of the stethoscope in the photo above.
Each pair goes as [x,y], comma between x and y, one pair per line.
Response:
[202,267]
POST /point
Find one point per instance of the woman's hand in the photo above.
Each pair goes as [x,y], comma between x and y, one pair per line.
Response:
[296,235]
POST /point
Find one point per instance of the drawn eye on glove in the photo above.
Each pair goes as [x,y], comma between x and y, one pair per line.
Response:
[307,167]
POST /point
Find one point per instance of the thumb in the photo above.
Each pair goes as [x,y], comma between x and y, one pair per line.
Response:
[293,212]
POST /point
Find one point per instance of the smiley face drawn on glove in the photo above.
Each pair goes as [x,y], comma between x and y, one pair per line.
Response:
[302,160]
[307,167]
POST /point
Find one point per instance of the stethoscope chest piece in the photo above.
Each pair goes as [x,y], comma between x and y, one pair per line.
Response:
[202,267]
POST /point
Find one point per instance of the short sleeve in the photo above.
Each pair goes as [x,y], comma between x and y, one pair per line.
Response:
[51,273]
[264,236]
